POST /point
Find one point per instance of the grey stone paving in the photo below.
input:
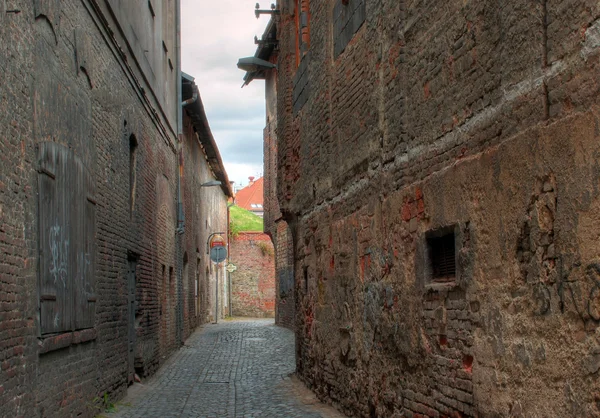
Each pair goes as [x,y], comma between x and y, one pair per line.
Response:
[240,368]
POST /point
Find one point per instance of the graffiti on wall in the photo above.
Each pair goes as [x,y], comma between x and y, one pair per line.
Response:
[577,290]
[59,252]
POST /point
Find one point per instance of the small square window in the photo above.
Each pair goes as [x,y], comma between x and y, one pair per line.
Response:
[444,258]
[441,249]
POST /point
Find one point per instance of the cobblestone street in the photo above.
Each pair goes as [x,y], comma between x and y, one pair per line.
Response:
[238,368]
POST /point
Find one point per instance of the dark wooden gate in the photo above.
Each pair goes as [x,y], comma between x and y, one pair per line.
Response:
[131,306]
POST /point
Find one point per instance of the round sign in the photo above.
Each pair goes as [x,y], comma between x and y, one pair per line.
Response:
[217,241]
[218,254]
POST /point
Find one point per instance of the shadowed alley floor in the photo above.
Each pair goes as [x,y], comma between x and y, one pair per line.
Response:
[239,368]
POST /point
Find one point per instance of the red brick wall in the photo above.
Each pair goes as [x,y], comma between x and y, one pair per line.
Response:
[253,283]
[91,107]
[274,225]
[284,271]
[18,277]
[271,206]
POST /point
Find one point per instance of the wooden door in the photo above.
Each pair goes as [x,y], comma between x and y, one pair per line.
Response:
[131,305]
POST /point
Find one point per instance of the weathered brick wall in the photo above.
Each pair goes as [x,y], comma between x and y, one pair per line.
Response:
[270,203]
[477,118]
[274,225]
[253,283]
[66,81]
[285,307]
[194,249]
[205,211]
[17,269]
[164,299]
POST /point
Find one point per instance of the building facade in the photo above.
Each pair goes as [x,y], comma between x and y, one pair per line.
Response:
[205,211]
[274,224]
[91,245]
[437,171]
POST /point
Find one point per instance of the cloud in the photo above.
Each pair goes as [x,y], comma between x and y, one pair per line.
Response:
[227,107]
[214,36]
[240,173]
[241,148]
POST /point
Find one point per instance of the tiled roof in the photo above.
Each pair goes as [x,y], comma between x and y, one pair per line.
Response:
[251,195]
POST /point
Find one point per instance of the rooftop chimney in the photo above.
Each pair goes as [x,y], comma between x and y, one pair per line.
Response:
[251,178]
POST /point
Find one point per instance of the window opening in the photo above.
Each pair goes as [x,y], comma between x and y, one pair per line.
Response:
[132,172]
[305,279]
[442,257]
[302,29]
[197,287]
[163,299]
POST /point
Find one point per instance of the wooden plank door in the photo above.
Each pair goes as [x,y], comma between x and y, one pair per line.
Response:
[131,305]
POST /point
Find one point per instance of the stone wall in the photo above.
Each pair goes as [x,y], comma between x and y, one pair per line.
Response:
[440,188]
[253,283]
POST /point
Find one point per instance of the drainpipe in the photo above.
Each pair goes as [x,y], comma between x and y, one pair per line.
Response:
[229,205]
[178,52]
[191,99]
[180,216]
[217,293]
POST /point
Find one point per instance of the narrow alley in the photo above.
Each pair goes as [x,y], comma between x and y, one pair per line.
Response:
[240,368]
[406,193]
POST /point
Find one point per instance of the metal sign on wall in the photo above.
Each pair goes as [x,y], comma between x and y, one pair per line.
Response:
[218,254]
[218,250]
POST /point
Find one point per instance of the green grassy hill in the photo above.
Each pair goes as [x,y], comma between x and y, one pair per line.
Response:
[243,220]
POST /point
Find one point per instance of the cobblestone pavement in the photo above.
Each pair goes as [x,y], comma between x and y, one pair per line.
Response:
[240,368]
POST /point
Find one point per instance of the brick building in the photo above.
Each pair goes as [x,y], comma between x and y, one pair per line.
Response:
[437,168]
[274,224]
[92,248]
[205,209]
[253,282]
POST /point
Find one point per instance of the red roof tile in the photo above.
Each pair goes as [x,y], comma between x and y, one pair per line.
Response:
[250,195]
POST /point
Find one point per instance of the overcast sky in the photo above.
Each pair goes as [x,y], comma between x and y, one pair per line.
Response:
[214,35]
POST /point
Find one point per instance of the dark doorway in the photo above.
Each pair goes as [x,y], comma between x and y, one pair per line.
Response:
[131,306]
[197,288]
[181,300]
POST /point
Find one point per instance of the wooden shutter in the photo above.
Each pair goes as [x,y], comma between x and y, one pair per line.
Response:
[55,240]
[67,216]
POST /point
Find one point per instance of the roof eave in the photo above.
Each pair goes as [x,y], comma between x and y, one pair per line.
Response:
[200,121]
